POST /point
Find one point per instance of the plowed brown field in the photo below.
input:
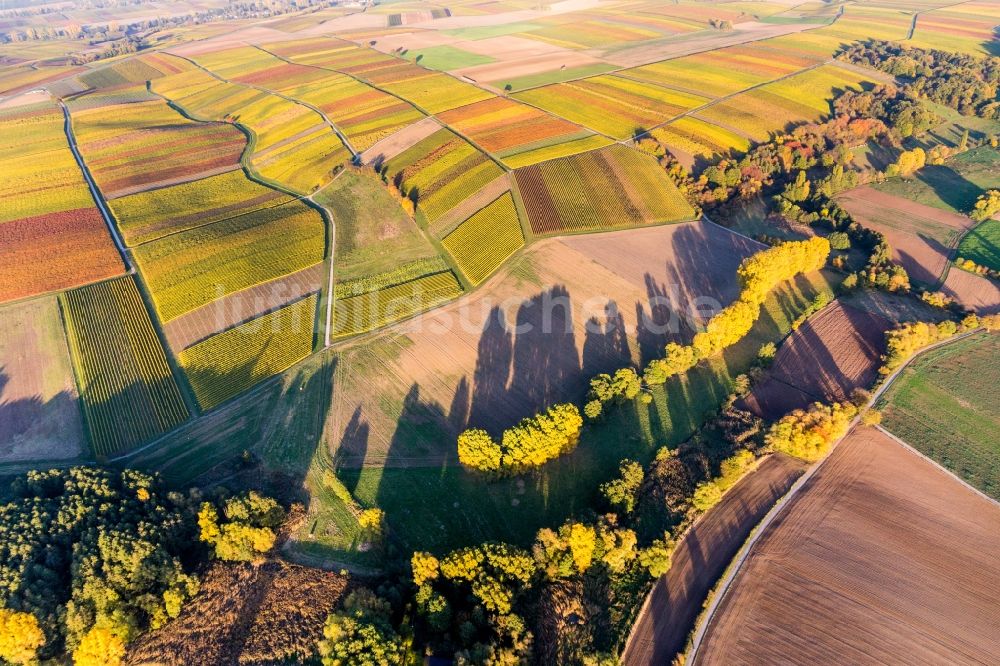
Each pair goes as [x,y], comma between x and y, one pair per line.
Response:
[829,356]
[701,557]
[880,558]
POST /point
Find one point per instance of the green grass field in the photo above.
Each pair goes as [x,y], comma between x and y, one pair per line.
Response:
[982,245]
[374,234]
[446,58]
[946,405]
[953,186]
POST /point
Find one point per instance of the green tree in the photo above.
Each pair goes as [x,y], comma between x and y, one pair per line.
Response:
[246,530]
[361,634]
[621,492]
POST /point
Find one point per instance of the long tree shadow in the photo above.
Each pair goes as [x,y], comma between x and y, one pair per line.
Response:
[950,186]
[33,428]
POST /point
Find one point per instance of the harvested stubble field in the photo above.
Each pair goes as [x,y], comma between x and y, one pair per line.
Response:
[128,390]
[400,399]
[833,353]
[603,189]
[39,408]
[511,377]
[881,557]
[945,405]
[701,558]
[246,614]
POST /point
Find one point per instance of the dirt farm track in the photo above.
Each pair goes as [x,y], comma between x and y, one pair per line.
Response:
[881,558]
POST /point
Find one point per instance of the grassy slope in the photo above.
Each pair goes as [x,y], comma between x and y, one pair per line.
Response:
[982,245]
[281,423]
[374,235]
[946,405]
[954,186]
[444,507]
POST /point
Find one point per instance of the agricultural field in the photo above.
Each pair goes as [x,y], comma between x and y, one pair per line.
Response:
[771,108]
[882,557]
[505,128]
[613,105]
[953,186]
[945,405]
[52,235]
[374,233]
[398,298]
[921,236]
[127,387]
[39,404]
[439,172]
[612,187]
[724,71]
[291,144]
[134,70]
[132,148]
[690,138]
[968,27]
[485,240]
[982,245]
[416,390]
[188,269]
[833,353]
[16,79]
[662,629]
[235,360]
[147,216]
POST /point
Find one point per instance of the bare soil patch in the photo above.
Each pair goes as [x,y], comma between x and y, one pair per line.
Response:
[397,142]
[674,47]
[538,64]
[564,310]
[39,414]
[242,306]
[834,352]
[974,292]
[701,558]
[447,222]
[881,558]
[246,614]
[921,237]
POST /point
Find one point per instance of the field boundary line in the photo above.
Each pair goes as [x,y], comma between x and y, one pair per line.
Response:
[725,585]
[94,192]
[936,464]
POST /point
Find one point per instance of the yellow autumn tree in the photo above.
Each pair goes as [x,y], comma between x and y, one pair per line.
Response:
[425,567]
[809,433]
[20,637]
[476,449]
[99,647]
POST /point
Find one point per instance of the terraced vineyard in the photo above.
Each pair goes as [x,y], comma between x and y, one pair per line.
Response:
[51,233]
[370,310]
[128,392]
[188,269]
[234,361]
[440,171]
[485,240]
[605,189]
